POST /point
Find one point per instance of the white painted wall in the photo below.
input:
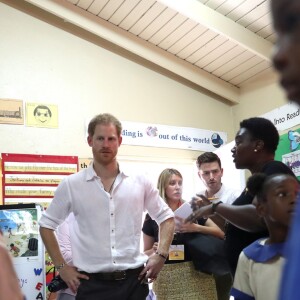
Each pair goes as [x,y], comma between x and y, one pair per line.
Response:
[44,64]
[258,99]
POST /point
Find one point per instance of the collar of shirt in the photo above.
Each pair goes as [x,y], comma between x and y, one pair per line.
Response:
[261,252]
[91,174]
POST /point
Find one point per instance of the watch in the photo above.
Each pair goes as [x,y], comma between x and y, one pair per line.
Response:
[60,266]
[214,206]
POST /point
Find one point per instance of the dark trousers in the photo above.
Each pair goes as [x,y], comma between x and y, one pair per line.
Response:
[127,289]
[223,286]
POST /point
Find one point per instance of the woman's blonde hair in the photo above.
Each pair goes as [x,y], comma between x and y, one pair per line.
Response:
[163,181]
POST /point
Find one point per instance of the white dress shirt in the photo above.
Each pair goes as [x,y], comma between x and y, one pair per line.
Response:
[64,242]
[225,194]
[106,233]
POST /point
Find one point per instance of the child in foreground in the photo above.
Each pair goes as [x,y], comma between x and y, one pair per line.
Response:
[260,264]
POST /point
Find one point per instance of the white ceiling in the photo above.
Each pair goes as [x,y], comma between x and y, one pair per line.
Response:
[219,45]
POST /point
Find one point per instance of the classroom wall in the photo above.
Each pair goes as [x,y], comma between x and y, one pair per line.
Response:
[44,64]
[41,63]
[259,98]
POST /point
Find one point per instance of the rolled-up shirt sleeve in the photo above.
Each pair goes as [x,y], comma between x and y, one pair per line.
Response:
[58,209]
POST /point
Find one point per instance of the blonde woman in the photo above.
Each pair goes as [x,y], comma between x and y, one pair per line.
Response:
[179,279]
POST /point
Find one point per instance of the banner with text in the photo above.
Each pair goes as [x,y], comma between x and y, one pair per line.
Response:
[284,117]
[154,135]
[32,178]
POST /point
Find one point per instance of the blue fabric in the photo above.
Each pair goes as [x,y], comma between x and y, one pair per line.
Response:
[238,295]
[262,253]
[290,281]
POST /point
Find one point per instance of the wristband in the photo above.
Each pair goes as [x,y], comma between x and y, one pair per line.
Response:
[214,206]
[60,266]
[161,255]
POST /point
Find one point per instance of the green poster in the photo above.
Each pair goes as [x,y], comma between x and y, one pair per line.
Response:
[288,150]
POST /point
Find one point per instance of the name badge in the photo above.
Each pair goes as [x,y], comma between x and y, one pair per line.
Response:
[176,252]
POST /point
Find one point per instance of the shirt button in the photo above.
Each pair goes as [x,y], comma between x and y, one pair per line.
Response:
[111,214]
[113,247]
[112,230]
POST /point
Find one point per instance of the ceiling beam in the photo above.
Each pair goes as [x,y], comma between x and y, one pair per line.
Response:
[219,23]
[79,17]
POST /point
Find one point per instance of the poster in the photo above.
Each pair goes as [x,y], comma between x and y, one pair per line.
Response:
[1,196]
[11,111]
[19,224]
[284,117]
[20,231]
[42,115]
[83,163]
[288,150]
[30,178]
[157,135]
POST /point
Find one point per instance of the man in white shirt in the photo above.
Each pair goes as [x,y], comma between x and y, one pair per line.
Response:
[108,204]
[210,171]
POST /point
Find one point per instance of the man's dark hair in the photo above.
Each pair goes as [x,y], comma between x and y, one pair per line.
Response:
[208,157]
[262,129]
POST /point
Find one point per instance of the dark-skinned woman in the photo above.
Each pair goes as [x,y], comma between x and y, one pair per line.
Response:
[255,146]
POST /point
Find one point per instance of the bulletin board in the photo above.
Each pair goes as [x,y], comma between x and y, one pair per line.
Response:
[29,178]
[19,224]
[1,189]
[288,150]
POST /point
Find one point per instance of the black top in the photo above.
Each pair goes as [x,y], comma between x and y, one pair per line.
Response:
[237,239]
[151,228]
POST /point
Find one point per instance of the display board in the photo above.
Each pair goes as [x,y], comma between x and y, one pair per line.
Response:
[33,178]
[30,178]
[19,224]
[288,150]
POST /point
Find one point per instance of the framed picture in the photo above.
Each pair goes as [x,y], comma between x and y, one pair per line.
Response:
[42,115]
[11,111]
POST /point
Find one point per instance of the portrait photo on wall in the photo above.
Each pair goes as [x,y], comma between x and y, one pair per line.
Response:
[11,111]
[42,115]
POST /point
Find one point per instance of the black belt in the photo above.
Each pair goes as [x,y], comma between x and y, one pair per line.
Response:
[116,275]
